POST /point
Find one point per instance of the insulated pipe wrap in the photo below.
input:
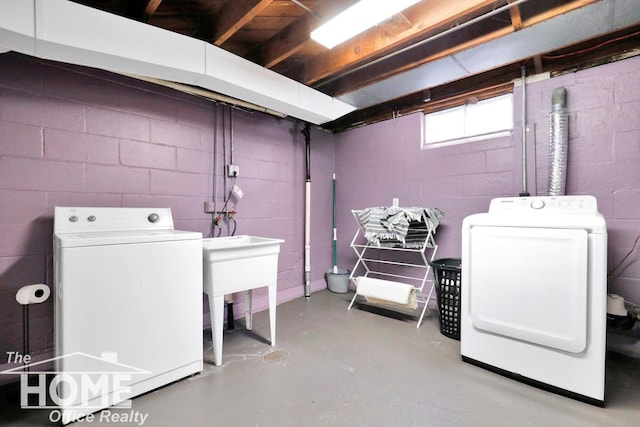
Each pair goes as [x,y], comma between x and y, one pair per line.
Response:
[558,143]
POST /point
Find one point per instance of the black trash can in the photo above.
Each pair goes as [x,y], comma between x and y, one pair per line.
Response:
[448,275]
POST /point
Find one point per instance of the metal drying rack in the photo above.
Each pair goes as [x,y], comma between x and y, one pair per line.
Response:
[380,260]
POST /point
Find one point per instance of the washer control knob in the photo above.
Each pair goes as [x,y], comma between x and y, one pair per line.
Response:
[73,218]
[91,218]
[537,204]
[154,217]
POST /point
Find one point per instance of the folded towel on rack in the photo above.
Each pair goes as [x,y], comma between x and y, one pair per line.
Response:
[395,226]
[386,291]
[371,221]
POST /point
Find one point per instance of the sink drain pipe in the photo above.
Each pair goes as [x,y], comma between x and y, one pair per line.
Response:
[524,192]
[307,213]
[559,135]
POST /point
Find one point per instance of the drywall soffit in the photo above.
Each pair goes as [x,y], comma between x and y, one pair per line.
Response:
[69,32]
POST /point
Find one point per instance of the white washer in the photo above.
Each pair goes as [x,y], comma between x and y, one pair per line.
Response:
[534,293]
[128,304]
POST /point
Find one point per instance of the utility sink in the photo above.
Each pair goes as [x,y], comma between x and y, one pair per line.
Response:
[239,264]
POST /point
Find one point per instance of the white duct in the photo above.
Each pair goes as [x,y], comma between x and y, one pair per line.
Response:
[65,31]
[558,143]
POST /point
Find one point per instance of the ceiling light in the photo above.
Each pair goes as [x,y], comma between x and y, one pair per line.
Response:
[356,19]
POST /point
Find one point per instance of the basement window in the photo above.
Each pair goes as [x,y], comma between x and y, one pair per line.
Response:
[489,118]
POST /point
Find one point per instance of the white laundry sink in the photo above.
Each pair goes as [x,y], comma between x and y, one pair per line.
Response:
[220,249]
[238,264]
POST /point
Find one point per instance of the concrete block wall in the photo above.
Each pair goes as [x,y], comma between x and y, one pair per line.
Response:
[383,161]
[71,136]
[75,136]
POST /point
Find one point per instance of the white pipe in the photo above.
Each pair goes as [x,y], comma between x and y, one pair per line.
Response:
[215,170]
[307,212]
[335,229]
[524,192]
[231,147]
[307,240]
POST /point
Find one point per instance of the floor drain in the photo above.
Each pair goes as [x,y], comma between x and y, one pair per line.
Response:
[275,356]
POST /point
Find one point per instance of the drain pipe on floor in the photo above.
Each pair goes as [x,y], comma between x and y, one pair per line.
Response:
[307,213]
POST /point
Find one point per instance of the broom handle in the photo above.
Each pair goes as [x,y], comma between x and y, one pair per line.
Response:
[335,234]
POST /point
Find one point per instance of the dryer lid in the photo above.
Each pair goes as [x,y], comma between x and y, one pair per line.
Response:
[561,212]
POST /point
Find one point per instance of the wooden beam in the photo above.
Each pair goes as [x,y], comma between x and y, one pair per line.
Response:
[537,62]
[425,17]
[440,48]
[150,9]
[288,41]
[516,18]
[449,45]
[142,9]
[234,15]
[491,83]
[291,39]
[556,11]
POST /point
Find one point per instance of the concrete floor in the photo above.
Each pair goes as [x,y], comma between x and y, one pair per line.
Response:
[364,367]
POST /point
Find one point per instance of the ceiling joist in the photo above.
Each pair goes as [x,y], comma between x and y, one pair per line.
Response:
[424,17]
[516,19]
[293,38]
[234,16]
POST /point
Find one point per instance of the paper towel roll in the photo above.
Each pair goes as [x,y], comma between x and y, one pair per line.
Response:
[33,294]
[387,291]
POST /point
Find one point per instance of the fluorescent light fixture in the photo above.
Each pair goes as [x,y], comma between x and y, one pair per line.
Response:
[356,19]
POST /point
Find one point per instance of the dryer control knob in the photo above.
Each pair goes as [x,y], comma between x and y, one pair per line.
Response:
[537,204]
[154,217]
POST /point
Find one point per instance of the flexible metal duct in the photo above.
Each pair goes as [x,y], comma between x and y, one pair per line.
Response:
[558,143]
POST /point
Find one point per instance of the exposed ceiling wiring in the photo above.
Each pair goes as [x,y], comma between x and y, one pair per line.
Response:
[305,8]
[588,49]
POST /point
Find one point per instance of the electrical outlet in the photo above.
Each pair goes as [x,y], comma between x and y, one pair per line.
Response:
[209,207]
[233,170]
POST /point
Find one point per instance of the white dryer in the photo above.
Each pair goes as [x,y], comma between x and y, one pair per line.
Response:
[534,293]
[127,306]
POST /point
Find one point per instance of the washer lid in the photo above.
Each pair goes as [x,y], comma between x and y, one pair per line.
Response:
[103,238]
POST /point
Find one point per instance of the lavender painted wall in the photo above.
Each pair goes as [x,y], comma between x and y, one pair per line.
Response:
[79,137]
[73,136]
[379,162]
